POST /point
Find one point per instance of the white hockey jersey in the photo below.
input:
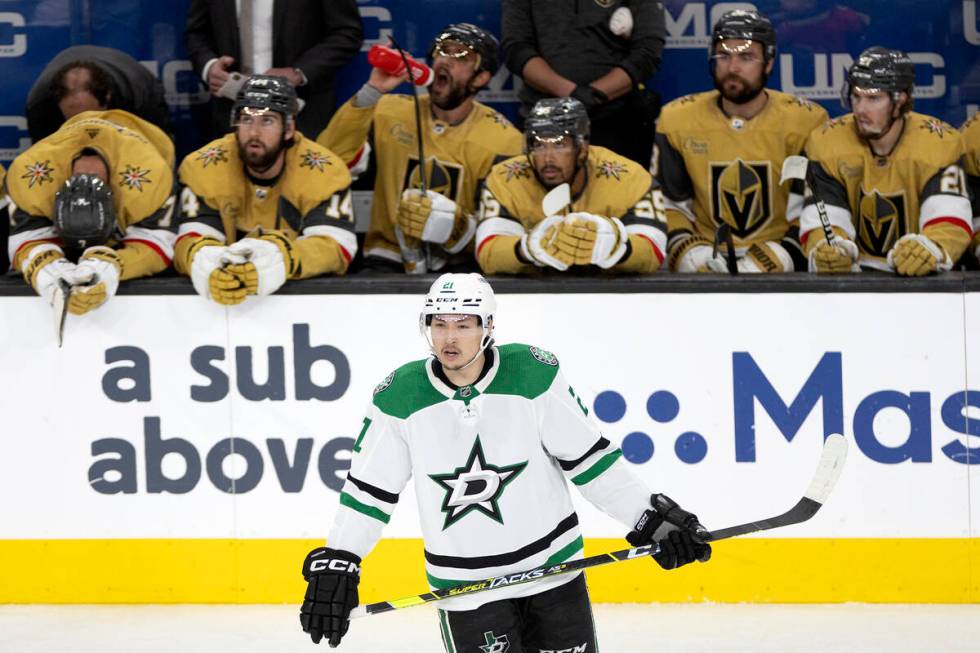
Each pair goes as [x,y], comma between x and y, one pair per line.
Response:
[490,463]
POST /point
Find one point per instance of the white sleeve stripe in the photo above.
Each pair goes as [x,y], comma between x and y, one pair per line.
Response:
[497,227]
[202,229]
[37,251]
[346,239]
[794,206]
[682,207]
[359,163]
[466,237]
[656,236]
[838,217]
[162,238]
[945,206]
[16,241]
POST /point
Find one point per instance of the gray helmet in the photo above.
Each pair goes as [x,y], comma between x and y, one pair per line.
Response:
[748,25]
[268,92]
[83,212]
[880,69]
[553,117]
[475,38]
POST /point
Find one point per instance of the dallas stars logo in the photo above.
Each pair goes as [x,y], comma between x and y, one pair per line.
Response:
[214,154]
[133,177]
[38,173]
[611,169]
[517,169]
[495,644]
[477,485]
[934,127]
[314,160]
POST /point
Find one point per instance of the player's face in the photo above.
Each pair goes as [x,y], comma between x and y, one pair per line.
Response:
[455,342]
[873,112]
[740,69]
[454,67]
[90,165]
[554,159]
[261,137]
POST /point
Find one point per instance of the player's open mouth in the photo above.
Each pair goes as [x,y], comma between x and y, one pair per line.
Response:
[442,76]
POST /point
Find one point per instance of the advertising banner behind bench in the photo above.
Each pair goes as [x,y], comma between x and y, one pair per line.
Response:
[209,444]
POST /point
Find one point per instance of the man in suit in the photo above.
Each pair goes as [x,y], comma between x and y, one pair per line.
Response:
[307,46]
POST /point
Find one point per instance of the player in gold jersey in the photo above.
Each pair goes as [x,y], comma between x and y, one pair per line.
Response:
[263,204]
[614,219]
[892,179]
[99,190]
[4,260]
[971,141]
[719,154]
[462,140]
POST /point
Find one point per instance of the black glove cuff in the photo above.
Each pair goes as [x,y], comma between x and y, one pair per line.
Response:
[323,560]
[587,96]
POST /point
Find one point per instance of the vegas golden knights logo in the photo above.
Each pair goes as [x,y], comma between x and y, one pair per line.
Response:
[881,222]
[741,195]
[441,177]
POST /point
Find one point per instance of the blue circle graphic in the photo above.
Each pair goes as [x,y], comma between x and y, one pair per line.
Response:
[637,448]
[609,406]
[663,406]
[691,447]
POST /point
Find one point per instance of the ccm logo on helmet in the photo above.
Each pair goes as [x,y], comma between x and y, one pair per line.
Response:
[335,565]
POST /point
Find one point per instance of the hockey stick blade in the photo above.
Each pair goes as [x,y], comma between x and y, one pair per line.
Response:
[556,200]
[828,471]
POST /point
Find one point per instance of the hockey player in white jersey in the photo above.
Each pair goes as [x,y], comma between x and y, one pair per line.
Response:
[490,433]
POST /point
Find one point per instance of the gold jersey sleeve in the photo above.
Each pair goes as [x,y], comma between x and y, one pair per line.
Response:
[971,162]
[616,187]
[919,187]
[309,203]
[140,177]
[457,157]
[715,169]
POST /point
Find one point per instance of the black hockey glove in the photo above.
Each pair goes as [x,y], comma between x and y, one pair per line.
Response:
[681,537]
[333,576]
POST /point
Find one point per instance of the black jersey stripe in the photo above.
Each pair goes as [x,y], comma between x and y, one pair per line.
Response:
[569,465]
[502,559]
[376,492]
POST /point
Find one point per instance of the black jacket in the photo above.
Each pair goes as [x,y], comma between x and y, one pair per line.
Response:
[316,36]
[134,89]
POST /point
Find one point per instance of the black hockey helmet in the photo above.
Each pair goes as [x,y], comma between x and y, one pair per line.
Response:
[476,39]
[554,117]
[84,215]
[880,69]
[748,25]
[268,92]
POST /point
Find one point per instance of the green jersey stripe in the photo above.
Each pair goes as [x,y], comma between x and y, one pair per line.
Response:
[601,465]
[364,509]
[566,552]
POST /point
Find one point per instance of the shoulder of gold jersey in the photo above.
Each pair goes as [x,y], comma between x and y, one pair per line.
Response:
[213,167]
[396,105]
[677,113]
[934,139]
[803,114]
[493,134]
[611,169]
[835,133]
[35,176]
[971,144]
[509,171]
[313,172]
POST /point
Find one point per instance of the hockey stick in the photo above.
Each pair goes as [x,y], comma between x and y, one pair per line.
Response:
[423,182]
[556,200]
[828,470]
[798,167]
[723,235]
[59,304]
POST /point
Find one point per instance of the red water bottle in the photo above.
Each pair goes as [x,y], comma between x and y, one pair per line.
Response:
[390,61]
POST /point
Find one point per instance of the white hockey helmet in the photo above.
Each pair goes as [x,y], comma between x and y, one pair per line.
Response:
[460,294]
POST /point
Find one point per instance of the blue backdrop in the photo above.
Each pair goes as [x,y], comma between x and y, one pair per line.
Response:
[818,39]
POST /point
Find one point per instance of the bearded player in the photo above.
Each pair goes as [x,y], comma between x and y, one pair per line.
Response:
[719,154]
[492,435]
[891,180]
[614,219]
[462,139]
[263,204]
